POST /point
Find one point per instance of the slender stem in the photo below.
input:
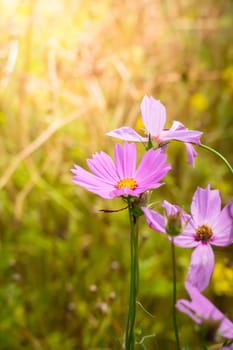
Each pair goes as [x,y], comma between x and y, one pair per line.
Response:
[203,341]
[134,279]
[174,295]
[219,155]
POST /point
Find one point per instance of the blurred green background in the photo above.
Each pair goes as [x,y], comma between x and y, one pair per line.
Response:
[71,70]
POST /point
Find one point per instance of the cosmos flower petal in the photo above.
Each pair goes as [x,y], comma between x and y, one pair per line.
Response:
[185,306]
[171,209]
[191,153]
[125,157]
[124,191]
[227,347]
[177,126]
[152,168]
[154,220]
[223,229]
[92,182]
[201,266]
[121,178]
[206,206]
[180,133]
[226,328]
[200,309]
[154,118]
[128,134]
[153,115]
[193,135]
[184,135]
[201,305]
[102,166]
[186,239]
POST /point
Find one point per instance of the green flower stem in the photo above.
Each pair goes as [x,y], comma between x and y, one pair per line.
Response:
[219,155]
[174,295]
[203,340]
[134,279]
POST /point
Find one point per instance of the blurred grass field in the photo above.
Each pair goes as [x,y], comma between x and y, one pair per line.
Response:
[69,72]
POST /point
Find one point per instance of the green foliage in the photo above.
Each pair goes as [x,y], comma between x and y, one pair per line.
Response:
[70,72]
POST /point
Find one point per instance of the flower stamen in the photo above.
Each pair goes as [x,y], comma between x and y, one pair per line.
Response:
[203,233]
[127,182]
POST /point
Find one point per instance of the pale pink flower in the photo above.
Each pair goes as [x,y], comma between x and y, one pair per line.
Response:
[122,178]
[208,225]
[202,311]
[154,118]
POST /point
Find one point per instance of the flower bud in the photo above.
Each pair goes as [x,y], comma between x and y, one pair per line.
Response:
[174,224]
[143,199]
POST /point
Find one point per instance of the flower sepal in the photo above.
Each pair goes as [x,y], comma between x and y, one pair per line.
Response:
[149,143]
[137,202]
[228,343]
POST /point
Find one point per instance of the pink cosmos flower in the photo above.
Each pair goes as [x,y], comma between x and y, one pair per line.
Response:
[202,311]
[154,118]
[208,225]
[109,179]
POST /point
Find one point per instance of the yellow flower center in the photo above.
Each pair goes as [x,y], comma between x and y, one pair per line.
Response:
[203,233]
[127,182]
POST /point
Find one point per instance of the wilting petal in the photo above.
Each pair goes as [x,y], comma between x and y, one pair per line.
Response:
[206,206]
[128,134]
[201,266]
[223,229]
[153,115]
[154,220]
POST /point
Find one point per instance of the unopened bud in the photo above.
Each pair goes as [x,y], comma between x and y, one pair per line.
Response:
[143,199]
[174,224]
